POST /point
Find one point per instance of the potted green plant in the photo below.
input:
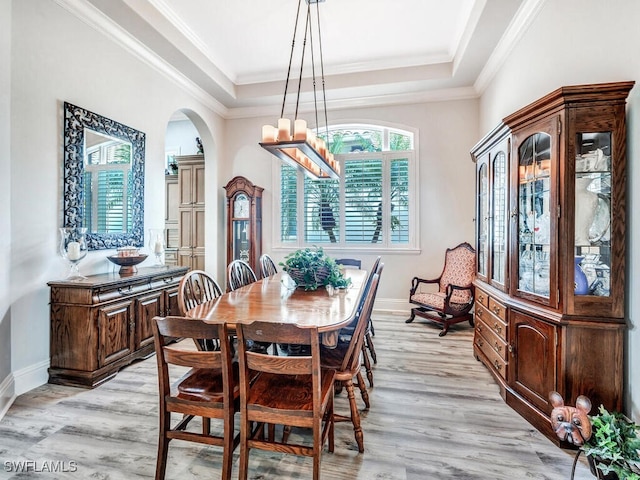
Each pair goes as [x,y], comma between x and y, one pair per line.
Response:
[312,268]
[612,450]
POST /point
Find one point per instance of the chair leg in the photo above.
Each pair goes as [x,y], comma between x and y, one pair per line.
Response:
[370,347]
[163,447]
[367,364]
[227,448]
[363,390]
[206,426]
[412,317]
[445,329]
[355,416]
[245,433]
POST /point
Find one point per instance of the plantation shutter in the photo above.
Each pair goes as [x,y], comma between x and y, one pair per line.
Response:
[363,201]
[111,209]
[321,211]
[288,203]
[399,200]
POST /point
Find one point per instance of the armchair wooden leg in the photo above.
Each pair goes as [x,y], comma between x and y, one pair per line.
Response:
[412,317]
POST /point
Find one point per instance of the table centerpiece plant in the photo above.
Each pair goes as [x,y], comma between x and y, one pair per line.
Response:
[312,268]
[614,445]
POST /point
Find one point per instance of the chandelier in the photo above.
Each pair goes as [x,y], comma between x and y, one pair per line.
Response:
[301,148]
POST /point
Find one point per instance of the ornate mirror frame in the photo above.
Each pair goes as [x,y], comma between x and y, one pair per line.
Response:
[76,119]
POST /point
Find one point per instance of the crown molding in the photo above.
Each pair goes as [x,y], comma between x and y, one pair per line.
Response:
[103,24]
[387,100]
[523,18]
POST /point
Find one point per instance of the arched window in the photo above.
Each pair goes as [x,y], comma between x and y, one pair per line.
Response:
[372,204]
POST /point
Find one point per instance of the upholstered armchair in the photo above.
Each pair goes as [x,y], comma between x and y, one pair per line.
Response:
[453,300]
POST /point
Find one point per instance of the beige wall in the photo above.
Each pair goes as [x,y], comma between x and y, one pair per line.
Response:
[56,58]
[6,385]
[577,42]
[447,131]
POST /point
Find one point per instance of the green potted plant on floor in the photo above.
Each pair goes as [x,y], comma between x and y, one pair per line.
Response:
[612,450]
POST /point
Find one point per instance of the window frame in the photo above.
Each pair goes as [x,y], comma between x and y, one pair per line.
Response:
[387,156]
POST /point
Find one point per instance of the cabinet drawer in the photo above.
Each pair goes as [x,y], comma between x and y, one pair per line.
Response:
[495,323]
[493,340]
[493,360]
[498,309]
[482,298]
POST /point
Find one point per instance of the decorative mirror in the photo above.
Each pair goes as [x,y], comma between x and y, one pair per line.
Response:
[103,179]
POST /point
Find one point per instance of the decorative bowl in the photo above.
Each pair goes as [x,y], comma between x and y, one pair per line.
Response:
[127,264]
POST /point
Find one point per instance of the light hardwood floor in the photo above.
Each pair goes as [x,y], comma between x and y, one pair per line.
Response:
[435,413]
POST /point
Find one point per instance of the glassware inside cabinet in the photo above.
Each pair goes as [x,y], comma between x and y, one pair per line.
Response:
[534,163]
[499,246]
[593,214]
[483,218]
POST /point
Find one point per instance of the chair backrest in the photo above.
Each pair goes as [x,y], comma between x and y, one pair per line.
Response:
[166,330]
[350,262]
[269,332]
[196,287]
[459,269]
[239,274]
[351,359]
[267,266]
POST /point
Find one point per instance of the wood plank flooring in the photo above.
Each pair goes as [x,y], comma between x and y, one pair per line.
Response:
[435,413]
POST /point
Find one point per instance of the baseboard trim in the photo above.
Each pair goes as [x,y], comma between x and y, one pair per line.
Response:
[31,377]
[7,394]
[392,305]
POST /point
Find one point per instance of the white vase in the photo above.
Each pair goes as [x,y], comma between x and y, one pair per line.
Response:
[586,206]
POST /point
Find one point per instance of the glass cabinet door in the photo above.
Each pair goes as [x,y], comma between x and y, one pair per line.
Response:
[534,219]
[499,230]
[483,220]
[592,255]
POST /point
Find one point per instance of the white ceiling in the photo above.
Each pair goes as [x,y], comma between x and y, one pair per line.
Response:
[233,54]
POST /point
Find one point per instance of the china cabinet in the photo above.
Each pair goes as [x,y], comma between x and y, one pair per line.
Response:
[244,222]
[551,316]
[191,211]
[103,322]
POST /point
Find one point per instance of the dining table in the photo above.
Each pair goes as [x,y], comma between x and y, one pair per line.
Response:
[278,299]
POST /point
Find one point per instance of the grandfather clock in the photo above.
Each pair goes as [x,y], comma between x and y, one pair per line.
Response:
[244,222]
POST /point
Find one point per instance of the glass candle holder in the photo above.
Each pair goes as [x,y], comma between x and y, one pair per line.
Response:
[73,248]
[156,245]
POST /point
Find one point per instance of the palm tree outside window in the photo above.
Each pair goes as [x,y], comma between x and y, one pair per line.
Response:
[370,206]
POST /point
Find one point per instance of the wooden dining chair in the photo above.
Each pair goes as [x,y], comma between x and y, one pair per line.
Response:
[267,266]
[368,348]
[197,287]
[288,390]
[345,360]
[210,389]
[349,262]
[239,274]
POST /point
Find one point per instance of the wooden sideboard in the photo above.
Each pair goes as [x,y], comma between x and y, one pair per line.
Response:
[103,323]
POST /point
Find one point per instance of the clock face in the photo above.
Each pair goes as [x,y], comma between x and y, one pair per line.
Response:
[241,206]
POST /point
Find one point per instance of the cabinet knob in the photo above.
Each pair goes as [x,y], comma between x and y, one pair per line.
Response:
[497,365]
[479,313]
[481,298]
[496,310]
[497,327]
[511,349]
[497,347]
[514,213]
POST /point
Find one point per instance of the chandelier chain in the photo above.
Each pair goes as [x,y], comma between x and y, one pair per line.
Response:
[293,44]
